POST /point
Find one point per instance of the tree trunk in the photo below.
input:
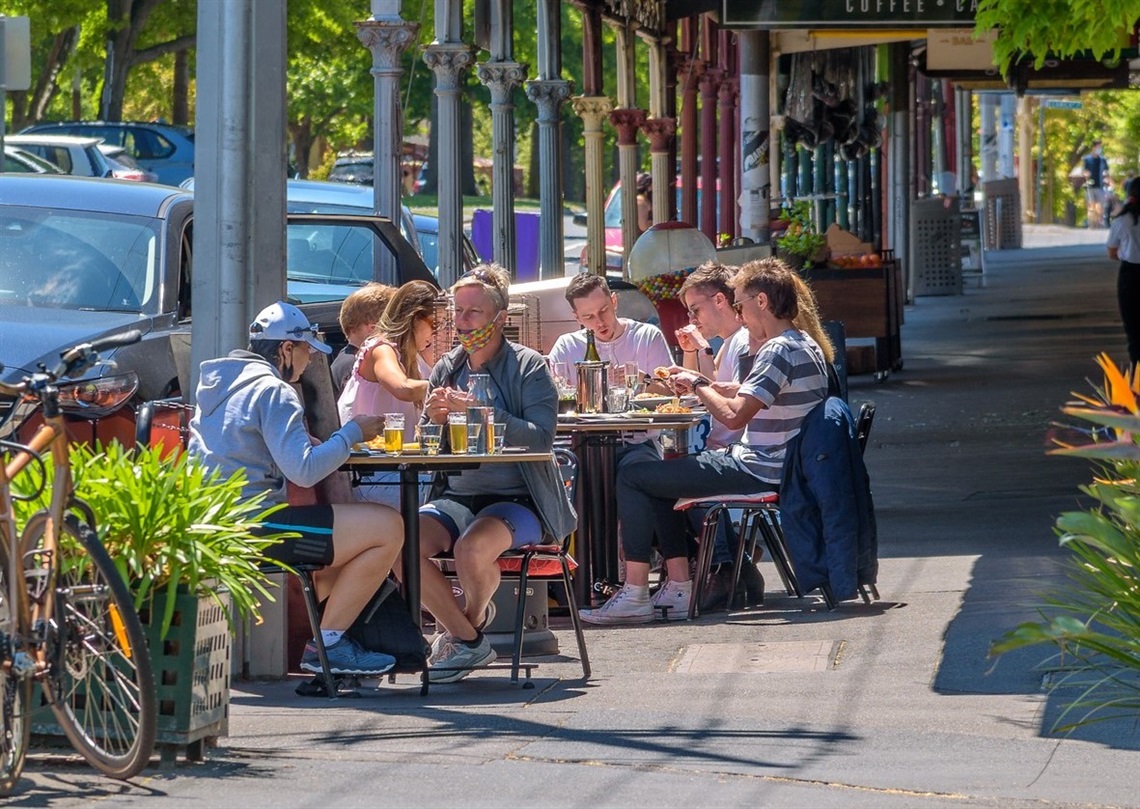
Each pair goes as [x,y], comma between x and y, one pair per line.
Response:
[34,106]
[301,134]
[180,102]
[125,18]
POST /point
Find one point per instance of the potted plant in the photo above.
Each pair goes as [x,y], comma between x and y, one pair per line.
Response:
[183,540]
[801,244]
[1093,621]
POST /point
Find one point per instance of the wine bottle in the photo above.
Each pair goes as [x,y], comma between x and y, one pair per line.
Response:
[591,349]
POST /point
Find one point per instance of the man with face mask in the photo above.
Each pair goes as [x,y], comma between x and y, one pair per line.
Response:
[480,513]
[248,418]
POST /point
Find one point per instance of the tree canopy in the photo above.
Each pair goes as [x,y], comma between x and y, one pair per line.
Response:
[1041,29]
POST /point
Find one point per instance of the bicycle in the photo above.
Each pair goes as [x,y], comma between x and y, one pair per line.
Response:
[67,619]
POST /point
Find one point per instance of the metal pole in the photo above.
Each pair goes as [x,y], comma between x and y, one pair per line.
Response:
[1040,161]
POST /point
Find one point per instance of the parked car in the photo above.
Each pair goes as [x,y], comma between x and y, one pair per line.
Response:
[165,149]
[19,161]
[75,155]
[125,167]
[427,228]
[84,259]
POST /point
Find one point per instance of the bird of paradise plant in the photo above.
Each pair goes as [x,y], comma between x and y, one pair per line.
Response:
[1095,620]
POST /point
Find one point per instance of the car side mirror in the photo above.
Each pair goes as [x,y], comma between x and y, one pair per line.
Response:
[580,219]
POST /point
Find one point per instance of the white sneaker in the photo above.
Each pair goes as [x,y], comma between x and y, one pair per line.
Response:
[629,605]
[675,595]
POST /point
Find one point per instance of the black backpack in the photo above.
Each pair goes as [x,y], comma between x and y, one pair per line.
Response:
[385,625]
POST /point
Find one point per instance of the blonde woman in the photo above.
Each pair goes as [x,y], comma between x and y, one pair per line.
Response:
[389,375]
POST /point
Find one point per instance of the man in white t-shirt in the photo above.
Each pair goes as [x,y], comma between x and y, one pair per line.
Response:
[619,340]
[707,297]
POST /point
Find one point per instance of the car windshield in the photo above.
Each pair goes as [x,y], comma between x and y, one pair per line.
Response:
[77,259]
[326,261]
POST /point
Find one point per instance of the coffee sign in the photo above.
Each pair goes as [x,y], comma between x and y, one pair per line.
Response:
[848,13]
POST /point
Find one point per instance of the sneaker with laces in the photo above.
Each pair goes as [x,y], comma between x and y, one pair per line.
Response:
[629,605]
[346,657]
[675,595]
[458,657]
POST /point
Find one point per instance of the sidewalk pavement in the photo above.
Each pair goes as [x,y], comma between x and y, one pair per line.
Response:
[889,705]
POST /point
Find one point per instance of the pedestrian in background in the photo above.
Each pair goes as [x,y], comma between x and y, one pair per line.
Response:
[1095,168]
[1124,245]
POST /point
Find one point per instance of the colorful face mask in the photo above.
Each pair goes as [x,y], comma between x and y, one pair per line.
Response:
[475,339]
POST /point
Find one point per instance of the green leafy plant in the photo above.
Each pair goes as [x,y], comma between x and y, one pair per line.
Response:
[801,238]
[171,526]
[1095,621]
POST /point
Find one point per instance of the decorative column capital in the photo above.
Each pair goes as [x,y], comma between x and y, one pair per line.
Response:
[688,70]
[660,132]
[548,95]
[728,92]
[448,61]
[710,80]
[387,41]
[627,121]
[501,78]
[592,109]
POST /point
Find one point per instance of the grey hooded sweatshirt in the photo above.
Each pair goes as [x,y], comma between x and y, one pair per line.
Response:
[247,417]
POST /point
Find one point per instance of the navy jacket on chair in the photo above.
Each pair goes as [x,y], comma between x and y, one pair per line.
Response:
[826,511]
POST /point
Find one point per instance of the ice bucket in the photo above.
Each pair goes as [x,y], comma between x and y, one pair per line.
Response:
[593,386]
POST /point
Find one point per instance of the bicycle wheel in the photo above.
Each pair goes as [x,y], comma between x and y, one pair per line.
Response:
[99,678]
[15,690]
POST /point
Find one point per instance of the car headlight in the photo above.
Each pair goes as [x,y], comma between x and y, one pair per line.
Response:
[95,398]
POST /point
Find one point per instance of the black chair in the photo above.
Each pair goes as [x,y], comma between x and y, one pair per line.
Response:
[863,424]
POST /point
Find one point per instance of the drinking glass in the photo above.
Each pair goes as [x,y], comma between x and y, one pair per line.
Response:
[393,433]
[430,436]
[474,433]
[499,432]
[457,427]
[618,401]
[632,375]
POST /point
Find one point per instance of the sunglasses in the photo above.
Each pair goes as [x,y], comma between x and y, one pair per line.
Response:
[739,305]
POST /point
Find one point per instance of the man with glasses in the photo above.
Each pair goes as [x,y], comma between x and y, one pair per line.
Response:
[248,418]
[707,297]
[787,380]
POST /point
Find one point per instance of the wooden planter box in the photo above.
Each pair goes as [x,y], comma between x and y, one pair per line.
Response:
[191,674]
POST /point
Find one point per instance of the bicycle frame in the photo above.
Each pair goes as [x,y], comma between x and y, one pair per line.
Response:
[52,434]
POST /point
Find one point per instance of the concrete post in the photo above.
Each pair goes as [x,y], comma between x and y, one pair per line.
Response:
[1006,133]
[387,39]
[449,60]
[593,110]
[548,93]
[239,231]
[755,176]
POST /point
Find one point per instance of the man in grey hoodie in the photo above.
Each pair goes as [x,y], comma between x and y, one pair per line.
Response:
[248,417]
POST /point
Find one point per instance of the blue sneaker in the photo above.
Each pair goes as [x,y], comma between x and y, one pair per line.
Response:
[346,657]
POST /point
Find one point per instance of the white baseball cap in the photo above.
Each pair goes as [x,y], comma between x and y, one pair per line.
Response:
[284,321]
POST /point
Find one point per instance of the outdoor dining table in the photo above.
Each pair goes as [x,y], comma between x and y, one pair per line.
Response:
[594,439]
[410,465]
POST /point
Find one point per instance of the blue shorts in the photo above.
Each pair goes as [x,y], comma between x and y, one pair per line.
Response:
[456,512]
